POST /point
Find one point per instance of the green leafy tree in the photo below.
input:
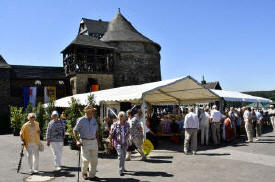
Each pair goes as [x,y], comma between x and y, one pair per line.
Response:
[16,117]
[28,110]
[47,115]
[40,118]
[73,113]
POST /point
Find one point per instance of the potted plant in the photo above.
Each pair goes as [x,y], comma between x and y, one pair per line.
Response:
[73,112]
[47,116]
[17,118]
[40,118]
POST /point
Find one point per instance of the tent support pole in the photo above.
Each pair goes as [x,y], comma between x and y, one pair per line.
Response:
[143,108]
[101,112]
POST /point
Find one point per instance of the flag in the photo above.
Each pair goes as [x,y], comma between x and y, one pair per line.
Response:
[29,94]
[49,92]
[26,96]
[32,95]
[94,88]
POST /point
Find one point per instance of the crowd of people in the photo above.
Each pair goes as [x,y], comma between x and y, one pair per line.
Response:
[126,133]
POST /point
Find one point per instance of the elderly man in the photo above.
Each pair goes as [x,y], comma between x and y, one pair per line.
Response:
[204,125]
[233,116]
[87,128]
[258,124]
[215,120]
[247,116]
[191,125]
[271,113]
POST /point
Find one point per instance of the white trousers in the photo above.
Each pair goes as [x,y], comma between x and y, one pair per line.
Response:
[272,120]
[33,156]
[57,148]
[204,133]
[89,150]
[249,131]
[190,137]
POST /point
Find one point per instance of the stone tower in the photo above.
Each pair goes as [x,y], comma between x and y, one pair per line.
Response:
[138,58]
[110,54]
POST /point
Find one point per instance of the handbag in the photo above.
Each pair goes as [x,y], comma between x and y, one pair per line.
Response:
[41,147]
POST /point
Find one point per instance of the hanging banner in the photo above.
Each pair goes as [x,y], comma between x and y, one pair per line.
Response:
[94,88]
[32,95]
[26,96]
[49,92]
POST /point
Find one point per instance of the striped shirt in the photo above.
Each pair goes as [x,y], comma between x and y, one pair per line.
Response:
[55,131]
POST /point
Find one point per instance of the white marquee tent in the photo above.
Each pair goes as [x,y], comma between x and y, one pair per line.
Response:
[239,97]
[185,90]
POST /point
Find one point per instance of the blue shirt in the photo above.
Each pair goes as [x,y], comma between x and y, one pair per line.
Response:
[86,128]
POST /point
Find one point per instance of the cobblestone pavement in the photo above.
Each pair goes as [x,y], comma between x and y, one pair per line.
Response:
[237,161]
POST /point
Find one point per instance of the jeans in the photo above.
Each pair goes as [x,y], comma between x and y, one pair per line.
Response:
[121,152]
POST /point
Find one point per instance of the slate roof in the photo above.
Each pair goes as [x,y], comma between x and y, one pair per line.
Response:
[37,72]
[213,85]
[86,40]
[95,26]
[120,29]
[3,63]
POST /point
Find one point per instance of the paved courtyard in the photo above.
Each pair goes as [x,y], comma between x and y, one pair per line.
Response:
[233,162]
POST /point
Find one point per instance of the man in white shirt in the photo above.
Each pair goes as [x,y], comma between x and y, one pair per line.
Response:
[271,113]
[247,117]
[215,120]
[258,124]
[204,125]
[191,125]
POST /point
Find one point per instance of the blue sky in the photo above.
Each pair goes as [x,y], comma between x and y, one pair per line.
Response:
[231,41]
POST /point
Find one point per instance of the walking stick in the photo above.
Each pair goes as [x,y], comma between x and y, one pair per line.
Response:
[78,165]
[20,161]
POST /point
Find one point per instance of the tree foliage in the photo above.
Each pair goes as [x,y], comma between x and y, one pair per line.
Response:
[17,118]
[40,117]
[73,112]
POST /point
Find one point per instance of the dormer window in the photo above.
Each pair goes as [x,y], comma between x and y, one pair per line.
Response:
[96,35]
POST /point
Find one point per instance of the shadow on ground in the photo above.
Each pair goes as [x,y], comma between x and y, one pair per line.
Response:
[213,154]
[150,173]
[118,180]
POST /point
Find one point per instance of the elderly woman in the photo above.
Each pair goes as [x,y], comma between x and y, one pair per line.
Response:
[55,137]
[30,136]
[136,135]
[119,135]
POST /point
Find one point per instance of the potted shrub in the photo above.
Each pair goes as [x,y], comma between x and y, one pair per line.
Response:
[47,116]
[40,118]
[73,113]
[17,118]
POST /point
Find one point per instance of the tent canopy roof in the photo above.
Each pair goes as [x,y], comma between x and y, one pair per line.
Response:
[185,90]
[239,97]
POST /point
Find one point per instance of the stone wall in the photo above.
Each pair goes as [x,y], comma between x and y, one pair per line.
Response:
[79,83]
[4,94]
[136,63]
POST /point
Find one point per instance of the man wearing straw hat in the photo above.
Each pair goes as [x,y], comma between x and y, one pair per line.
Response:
[87,129]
